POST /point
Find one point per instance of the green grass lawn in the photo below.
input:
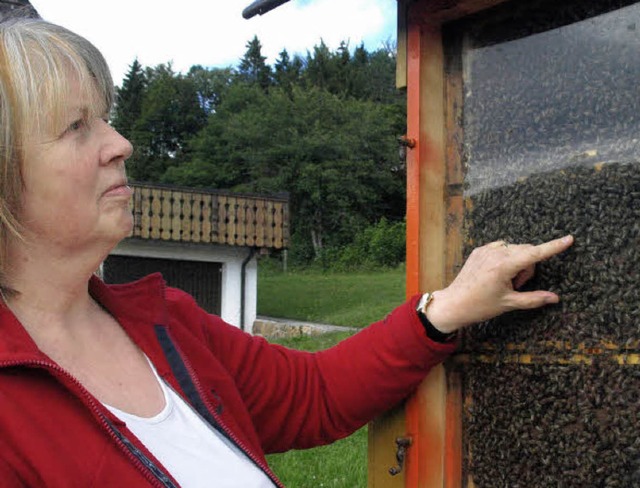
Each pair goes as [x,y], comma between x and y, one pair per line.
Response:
[342,464]
[351,299]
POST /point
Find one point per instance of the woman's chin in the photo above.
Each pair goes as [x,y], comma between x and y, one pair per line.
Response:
[120,229]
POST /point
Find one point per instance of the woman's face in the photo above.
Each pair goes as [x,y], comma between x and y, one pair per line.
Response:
[75,188]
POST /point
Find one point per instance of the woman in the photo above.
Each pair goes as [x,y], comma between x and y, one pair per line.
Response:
[134,385]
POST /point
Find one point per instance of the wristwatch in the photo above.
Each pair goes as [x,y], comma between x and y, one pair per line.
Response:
[432,333]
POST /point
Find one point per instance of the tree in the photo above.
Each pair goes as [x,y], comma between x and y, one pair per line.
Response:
[287,72]
[211,85]
[336,158]
[320,69]
[129,99]
[219,153]
[323,129]
[253,68]
[171,113]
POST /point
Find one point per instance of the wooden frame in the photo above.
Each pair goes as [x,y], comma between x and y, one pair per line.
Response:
[429,65]
[434,217]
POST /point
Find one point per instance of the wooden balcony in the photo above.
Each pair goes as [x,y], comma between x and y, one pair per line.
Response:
[213,217]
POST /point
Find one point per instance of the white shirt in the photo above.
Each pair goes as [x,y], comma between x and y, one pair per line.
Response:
[195,454]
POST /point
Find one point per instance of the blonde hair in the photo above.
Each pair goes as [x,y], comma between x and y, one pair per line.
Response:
[38,61]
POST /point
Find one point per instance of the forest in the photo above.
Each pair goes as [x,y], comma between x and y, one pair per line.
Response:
[322,128]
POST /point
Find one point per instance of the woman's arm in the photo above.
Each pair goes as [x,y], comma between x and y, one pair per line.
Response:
[299,399]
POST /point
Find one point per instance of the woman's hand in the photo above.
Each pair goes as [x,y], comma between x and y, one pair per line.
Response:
[487,283]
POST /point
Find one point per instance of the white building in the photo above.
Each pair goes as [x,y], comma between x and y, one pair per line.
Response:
[204,242]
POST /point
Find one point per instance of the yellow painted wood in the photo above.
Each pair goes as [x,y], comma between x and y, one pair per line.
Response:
[187,223]
[176,220]
[196,224]
[156,208]
[145,219]
[206,218]
[383,432]
[401,46]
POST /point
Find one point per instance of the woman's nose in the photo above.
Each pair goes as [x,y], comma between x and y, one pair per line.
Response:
[116,147]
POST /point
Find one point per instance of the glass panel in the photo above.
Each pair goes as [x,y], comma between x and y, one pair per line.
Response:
[552,129]
[565,97]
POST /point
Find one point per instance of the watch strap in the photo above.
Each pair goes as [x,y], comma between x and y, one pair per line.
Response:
[431,331]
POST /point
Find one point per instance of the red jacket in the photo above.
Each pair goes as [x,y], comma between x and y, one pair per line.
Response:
[265,398]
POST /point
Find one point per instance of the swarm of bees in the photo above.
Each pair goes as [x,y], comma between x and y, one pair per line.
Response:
[568,414]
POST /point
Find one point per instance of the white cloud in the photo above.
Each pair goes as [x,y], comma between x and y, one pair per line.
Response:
[213,33]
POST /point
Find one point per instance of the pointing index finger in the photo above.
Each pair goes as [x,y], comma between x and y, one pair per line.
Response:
[543,251]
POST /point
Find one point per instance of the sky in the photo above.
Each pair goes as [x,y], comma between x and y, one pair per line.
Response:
[213,33]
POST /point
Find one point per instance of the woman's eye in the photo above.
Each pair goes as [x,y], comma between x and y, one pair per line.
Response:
[76,125]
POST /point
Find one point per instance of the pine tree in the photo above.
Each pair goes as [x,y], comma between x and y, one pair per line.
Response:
[129,100]
[253,67]
[320,70]
[287,71]
[170,115]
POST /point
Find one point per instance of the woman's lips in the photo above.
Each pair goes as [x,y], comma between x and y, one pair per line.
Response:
[119,190]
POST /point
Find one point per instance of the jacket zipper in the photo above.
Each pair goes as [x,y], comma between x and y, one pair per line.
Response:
[149,474]
[220,424]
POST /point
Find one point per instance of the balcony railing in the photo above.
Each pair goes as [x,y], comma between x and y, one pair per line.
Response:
[185,215]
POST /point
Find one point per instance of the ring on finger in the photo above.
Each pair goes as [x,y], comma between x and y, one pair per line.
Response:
[497,244]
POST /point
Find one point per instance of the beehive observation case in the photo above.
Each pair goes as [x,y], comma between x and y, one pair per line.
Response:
[551,146]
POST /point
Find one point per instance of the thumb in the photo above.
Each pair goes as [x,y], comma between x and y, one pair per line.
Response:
[531,299]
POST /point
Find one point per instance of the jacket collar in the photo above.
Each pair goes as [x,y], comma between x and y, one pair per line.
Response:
[137,306]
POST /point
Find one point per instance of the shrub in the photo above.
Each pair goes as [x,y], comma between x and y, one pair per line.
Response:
[381,245]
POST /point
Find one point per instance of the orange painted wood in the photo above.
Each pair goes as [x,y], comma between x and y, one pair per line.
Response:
[432,160]
[425,412]
[412,159]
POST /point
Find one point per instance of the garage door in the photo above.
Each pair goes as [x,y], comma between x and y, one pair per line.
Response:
[200,279]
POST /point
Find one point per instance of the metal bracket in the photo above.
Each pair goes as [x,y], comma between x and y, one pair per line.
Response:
[402,444]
